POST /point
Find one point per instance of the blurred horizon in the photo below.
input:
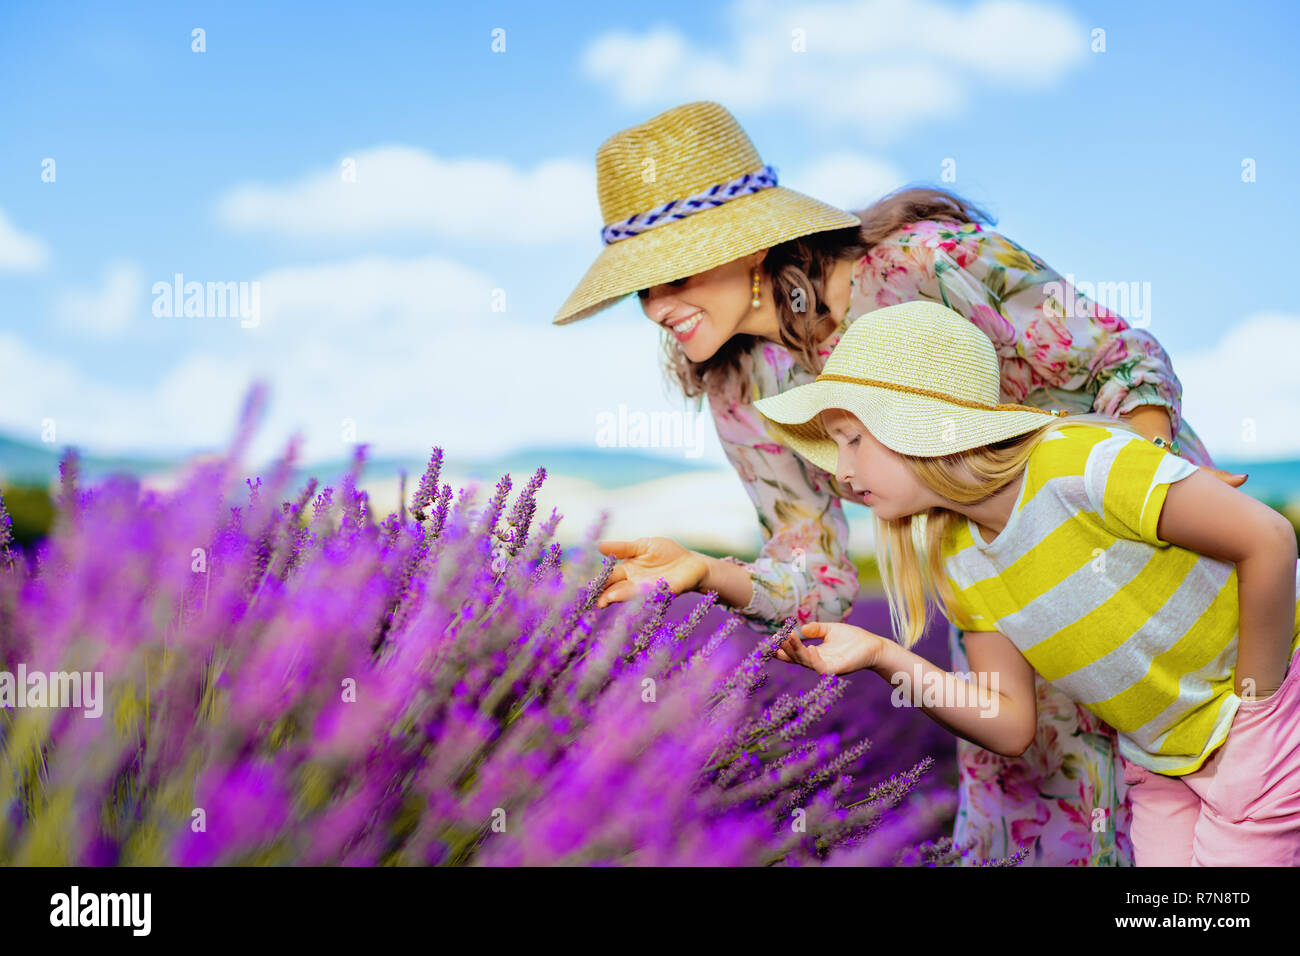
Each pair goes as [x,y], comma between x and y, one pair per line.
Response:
[642,493]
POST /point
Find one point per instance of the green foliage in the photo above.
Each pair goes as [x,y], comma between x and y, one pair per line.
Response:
[32,511]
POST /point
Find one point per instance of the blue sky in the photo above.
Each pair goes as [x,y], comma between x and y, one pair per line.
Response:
[476,173]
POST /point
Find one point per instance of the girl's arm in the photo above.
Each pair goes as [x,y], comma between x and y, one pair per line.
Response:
[1203,514]
[995,707]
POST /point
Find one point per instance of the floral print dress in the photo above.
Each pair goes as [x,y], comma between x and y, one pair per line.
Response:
[1064,798]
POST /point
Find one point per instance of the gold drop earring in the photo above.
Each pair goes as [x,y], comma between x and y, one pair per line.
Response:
[755,301]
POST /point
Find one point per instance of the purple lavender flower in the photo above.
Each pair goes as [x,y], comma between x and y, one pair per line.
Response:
[281,686]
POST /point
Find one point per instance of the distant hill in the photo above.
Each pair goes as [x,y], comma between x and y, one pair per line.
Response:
[1269,480]
[605,467]
[25,463]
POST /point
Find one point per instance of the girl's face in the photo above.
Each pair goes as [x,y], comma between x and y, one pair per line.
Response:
[703,311]
[878,475]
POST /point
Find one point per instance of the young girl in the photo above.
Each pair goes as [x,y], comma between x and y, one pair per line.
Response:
[1152,594]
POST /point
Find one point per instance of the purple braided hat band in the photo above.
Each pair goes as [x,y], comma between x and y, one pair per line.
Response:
[681,208]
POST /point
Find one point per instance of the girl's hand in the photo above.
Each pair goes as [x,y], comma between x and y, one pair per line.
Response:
[645,561]
[844,648]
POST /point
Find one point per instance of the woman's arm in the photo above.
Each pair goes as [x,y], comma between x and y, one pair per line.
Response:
[1150,421]
[1045,333]
[804,570]
[732,580]
[1074,343]
[1203,514]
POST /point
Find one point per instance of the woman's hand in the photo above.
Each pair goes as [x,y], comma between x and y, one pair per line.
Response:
[1153,420]
[1235,480]
[645,561]
[844,648]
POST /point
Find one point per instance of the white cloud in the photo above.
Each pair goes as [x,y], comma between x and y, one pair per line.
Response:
[877,66]
[1242,395]
[108,309]
[402,189]
[408,349]
[411,190]
[47,389]
[20,252]
[846,180]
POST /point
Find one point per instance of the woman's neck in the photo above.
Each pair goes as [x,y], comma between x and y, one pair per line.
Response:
[824,331]
[839,290]
[838,295]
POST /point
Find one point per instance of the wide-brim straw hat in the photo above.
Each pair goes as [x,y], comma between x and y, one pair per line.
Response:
[681,193]
[920,377]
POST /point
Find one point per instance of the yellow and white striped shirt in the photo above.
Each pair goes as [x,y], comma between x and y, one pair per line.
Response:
[1141,632]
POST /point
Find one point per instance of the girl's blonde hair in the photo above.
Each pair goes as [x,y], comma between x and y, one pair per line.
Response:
[909,550]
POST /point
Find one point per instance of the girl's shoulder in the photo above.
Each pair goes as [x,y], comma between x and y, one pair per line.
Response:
[1075,441]
[1109,472]
[1090,434]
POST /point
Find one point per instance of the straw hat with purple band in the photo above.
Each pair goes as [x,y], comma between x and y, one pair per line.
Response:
[921,378]
[681,193]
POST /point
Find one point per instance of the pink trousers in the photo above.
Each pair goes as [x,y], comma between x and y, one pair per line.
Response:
[1242,807]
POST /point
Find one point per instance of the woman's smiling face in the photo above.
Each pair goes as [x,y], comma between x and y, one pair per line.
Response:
[705,310]
[877,474]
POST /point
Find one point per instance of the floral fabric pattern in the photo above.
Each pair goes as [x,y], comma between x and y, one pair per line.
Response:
[1064,797]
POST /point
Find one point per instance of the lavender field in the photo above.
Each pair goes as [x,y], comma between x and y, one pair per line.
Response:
[288,681]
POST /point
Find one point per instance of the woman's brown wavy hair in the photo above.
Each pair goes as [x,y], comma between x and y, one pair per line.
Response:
[803,264]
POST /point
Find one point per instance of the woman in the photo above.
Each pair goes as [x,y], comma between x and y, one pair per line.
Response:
[755,284]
